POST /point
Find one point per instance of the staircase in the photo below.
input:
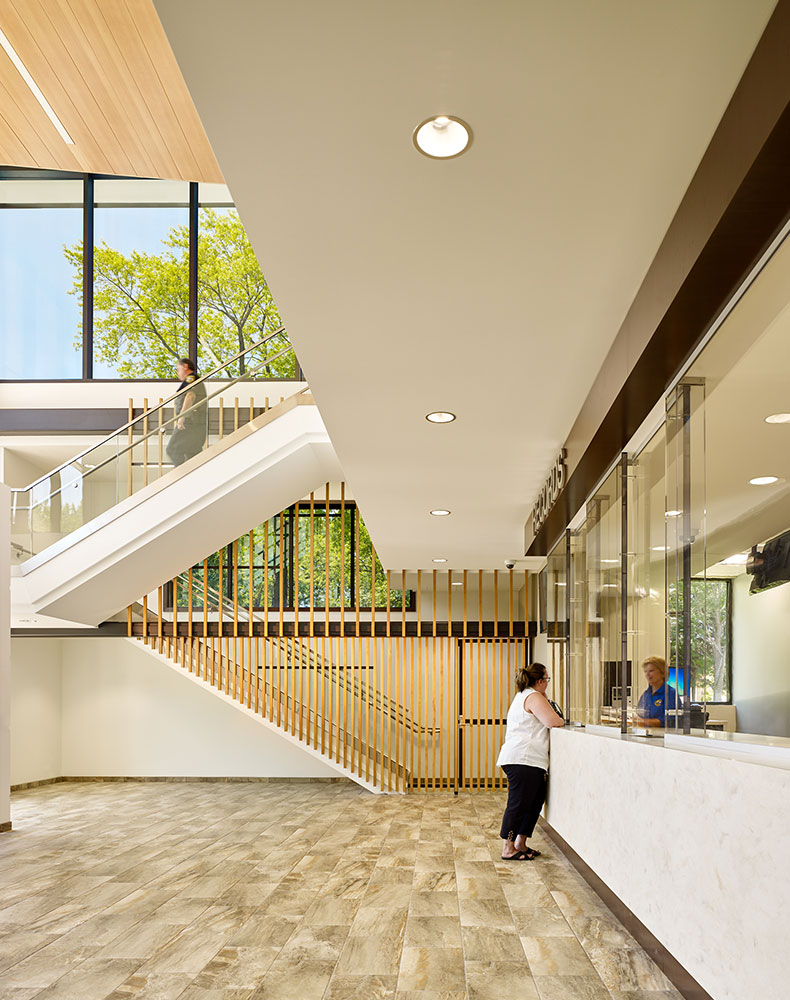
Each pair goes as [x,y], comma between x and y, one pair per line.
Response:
[116,520]
[287,685]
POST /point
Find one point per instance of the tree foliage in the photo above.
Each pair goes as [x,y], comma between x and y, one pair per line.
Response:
[710,638]
[141,303]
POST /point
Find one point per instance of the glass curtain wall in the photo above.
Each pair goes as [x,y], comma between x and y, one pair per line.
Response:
[140,277]
[40,301]
[138,266]
[235,306]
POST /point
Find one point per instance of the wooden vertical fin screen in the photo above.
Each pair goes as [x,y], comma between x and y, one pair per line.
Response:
[383,701]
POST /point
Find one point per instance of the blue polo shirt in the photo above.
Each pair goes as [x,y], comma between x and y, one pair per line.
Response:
[653,704]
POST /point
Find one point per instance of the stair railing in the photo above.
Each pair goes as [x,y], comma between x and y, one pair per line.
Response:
[132,457]
[360,688]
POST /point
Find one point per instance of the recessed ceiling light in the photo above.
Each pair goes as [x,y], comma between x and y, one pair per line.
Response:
[442,137]
[457,583]
[739,559]
[35,89]
[763,480]
[659,548]
[673,513]
[440,417]
[778,418]
[610,561]
[440,513]
[610,585]
[440,560]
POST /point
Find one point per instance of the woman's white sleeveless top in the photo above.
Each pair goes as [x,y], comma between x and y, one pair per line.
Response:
[527,739]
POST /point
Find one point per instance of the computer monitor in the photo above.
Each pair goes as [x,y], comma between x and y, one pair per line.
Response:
[675,679]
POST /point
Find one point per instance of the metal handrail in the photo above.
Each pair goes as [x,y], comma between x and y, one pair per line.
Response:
[379,698]
[164,403]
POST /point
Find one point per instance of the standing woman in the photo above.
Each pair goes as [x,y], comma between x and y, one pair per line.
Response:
[524,758]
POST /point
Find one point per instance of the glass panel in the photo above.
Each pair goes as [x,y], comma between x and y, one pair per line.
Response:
[647,543]
[740,599]
[673,703]
[235,306]
[553,610]
[141,278]
[600,685]
[40,278]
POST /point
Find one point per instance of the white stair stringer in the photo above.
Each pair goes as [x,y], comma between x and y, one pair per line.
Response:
[289,738]
[259,470]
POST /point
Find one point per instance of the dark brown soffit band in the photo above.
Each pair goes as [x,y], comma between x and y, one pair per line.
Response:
[752,221]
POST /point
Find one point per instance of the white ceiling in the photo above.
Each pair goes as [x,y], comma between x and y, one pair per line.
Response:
[492,284]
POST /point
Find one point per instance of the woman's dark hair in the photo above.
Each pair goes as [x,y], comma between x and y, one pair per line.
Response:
[530,675]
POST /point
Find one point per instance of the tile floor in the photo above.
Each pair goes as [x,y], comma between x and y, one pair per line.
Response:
[304,891]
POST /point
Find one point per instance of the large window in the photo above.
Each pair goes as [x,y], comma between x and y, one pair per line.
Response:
[40,316]
[304,552]
[711,648]
[141,278]
[166,271]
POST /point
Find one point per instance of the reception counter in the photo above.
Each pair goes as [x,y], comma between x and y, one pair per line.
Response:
[695,844]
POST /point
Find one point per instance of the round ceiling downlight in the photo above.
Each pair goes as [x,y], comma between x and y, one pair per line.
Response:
[764,480]
[440,512]
[440,560]
[778,418]
[440,417]
[442,137]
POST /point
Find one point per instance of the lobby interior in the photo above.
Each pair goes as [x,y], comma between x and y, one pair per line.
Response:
[518,399]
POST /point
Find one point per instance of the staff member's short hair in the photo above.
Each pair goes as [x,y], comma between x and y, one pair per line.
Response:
[656,661]
[189,363]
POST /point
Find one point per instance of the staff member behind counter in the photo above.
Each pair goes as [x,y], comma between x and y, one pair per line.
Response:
[189,431]
[659,696]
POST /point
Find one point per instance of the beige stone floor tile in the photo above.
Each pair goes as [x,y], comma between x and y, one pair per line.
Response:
[308,981]
[371,954]
[430,995]
[440,932]
[93,978]
[196,993]
[543,920]
[329,910]
[322,944]
[646,995]
[627,969]
[492,944]
[223,896]
[380,920]
[496,980]
[434,969]
[476,912]
[571,988]
[151,987]
[556,956]
[429,903]
[437,881]
[19,944]
[361,988]
[237,967]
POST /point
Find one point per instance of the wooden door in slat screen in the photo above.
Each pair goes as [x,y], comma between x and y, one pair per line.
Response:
[427,691]
[486,689]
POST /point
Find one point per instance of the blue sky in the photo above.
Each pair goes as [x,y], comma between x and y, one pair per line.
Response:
[40,320]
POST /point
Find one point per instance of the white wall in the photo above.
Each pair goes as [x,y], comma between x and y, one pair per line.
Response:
[36,708]
[107,707]
[695,846]
[126,713]
[761,658]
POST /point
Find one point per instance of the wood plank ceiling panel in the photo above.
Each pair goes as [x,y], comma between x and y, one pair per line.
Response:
[108,71]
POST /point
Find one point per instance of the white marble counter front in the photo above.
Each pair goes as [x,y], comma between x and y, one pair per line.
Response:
[697,846]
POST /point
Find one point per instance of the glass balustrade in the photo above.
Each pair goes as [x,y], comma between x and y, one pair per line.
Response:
[147,449]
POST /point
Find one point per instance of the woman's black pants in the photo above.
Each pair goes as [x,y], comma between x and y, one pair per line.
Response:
[526,793]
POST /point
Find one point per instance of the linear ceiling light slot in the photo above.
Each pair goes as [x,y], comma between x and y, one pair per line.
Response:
[35,89]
